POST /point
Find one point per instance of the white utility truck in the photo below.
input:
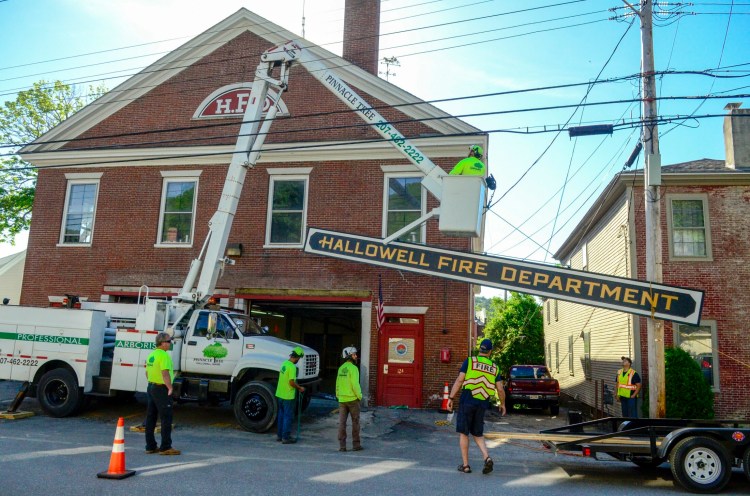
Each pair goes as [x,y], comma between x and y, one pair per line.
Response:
[66,354]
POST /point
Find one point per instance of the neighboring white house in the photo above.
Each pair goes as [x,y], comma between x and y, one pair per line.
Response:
[11,277]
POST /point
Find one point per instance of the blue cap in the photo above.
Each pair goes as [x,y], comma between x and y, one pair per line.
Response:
[486,345]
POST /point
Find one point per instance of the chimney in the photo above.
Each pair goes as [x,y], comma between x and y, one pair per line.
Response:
[737,136]
[362,33]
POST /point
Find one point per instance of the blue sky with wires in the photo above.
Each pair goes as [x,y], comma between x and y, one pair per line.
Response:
[456,48]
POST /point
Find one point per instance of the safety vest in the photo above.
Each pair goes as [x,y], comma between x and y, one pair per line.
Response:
[625,387]
[481,375]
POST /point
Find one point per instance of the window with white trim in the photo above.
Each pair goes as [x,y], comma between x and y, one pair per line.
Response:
[287,210]
[571,363]
[701,343]
[79,212]
[587,355]
[404,202]
[178,203]
[689,234]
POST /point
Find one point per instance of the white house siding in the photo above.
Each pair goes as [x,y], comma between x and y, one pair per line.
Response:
[607,252]
[11,277]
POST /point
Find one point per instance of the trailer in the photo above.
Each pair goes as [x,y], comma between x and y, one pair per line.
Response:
[701,453]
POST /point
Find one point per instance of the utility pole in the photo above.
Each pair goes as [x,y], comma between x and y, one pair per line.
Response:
[652,181]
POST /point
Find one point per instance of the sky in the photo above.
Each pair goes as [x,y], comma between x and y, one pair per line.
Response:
[447,49]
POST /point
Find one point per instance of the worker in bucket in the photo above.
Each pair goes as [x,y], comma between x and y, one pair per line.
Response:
[285,391]
[472,165]
[349,394]
[478,381]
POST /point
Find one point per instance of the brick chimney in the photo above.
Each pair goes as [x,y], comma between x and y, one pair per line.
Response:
[362,33]
[737,136]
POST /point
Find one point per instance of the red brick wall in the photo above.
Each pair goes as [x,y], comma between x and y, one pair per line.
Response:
[361,33]
[725,280]
[172,104]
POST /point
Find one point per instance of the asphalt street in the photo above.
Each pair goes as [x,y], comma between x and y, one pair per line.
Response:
[406,452]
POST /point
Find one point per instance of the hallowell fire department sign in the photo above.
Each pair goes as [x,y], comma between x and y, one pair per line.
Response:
[598,290]
[231,101]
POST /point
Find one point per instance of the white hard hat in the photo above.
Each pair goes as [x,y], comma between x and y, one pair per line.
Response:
[349,350]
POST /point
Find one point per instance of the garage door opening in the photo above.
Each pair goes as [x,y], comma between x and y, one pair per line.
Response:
[325,327]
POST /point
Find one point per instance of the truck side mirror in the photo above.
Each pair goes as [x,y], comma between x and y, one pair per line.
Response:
[211,326]
[264,329]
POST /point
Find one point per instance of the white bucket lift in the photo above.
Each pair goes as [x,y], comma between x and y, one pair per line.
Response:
[462,206]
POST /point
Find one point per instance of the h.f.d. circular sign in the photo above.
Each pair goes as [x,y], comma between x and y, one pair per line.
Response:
[401,349]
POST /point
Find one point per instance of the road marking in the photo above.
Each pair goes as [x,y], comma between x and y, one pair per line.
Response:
[59,452]
[361,473]
[165,468]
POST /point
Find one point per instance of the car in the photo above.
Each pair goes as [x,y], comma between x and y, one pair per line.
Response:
[533,386]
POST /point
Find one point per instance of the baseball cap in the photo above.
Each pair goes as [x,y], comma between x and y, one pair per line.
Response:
[628,359]
[486,345]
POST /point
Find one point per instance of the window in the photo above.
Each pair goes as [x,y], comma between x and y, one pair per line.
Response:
[404,203]
[549,355]
[585,257]
[570,355]
[556,313]
[547,312]
[287,210]
[178,200]
[701,343]
[689,236]
[557,356]
[587,355]
[80,209]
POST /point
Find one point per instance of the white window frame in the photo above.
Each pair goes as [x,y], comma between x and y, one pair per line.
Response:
[714,351]
[287,174]
[177,177]
[706,226]
[585,257]
[571,363]
[396,175]
[73,179]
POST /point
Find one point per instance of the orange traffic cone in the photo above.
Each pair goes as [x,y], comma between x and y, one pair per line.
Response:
[444,406]
[117,460]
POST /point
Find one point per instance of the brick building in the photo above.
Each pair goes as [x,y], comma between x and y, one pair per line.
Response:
[706,242]
[127,186]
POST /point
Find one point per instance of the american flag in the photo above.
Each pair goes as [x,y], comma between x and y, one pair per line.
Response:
[381,314]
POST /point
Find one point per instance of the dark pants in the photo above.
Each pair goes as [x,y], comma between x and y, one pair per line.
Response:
[629,407]
[284,418]
[470,419]
[345,409]
[159,404]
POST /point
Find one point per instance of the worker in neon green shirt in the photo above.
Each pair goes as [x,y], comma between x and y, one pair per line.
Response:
[349,394]
[471,165]
[285,390]
[160,374]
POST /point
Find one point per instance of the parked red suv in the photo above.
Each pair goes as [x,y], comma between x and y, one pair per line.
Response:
[532,385]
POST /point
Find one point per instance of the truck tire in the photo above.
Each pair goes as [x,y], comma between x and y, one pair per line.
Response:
[255,407]
[746,463]
[700,464]
[59,394]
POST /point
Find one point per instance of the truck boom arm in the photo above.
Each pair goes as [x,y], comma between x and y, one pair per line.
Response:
[211,260]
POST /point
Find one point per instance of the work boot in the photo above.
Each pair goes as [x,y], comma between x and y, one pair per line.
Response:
[170,451]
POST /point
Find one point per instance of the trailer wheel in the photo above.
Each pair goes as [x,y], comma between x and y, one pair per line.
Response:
[700,464]
[255,407]
[59,394]
[746,463]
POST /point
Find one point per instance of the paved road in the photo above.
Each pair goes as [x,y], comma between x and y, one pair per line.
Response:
[405,453]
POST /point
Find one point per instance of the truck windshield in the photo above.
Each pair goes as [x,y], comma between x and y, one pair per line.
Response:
[246,325]
[529,373]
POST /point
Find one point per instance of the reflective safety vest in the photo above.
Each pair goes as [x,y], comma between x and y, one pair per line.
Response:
[625,387]
[481,375]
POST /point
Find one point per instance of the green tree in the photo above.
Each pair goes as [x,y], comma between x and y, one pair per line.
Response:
[516,330]
[688,394]
[34,112]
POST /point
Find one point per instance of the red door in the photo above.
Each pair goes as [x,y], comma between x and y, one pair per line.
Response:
[400,362]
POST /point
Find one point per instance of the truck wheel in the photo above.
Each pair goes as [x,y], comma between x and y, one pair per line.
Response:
[746,463]
[59,394]
[255,407]
[700,464]
[306,400]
